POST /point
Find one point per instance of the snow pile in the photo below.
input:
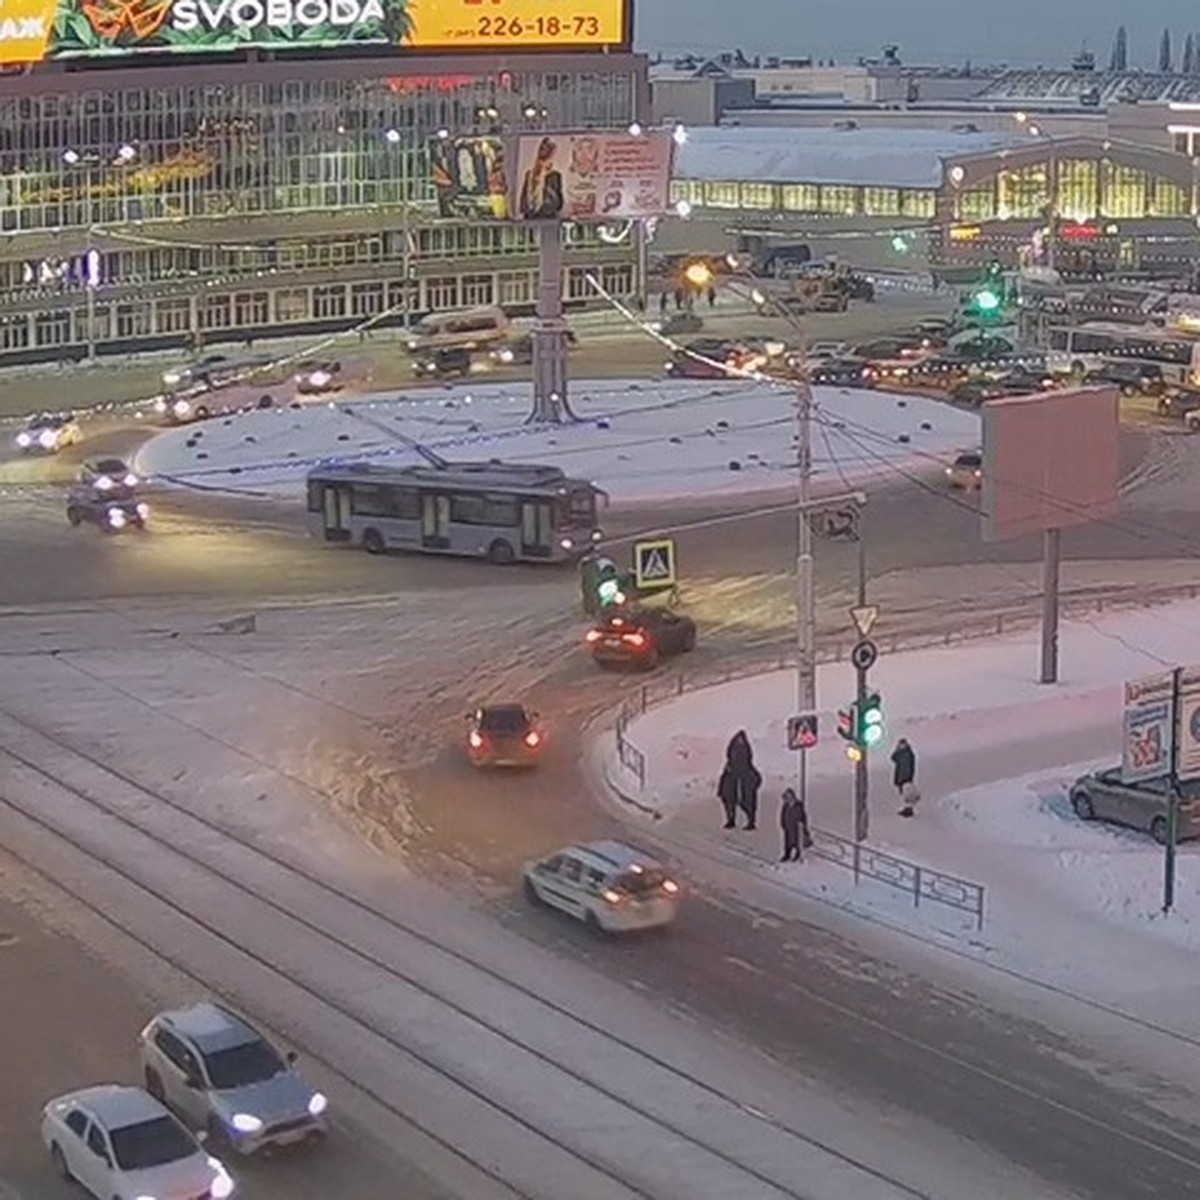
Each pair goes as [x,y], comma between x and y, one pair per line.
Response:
[636,440]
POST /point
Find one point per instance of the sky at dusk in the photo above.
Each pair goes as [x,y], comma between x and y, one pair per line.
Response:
[1019,32]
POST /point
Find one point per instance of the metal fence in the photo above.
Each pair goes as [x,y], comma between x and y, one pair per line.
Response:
[921,883]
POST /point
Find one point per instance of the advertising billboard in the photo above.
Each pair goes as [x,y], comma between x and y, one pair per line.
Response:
[43,30]
[591,176]
[469,177]
[1146,728]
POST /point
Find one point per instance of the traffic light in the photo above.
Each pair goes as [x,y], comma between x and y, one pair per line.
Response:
[869,731]
[986,301]
[603,585]
[847,722]
[900,243]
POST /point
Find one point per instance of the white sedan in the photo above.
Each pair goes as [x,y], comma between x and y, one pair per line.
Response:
[118,1141]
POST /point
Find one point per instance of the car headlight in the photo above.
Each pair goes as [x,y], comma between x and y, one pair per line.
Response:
[319,378]
[172,378]
[317,1105]
[160,405]
[23,440]
[222,1185]
[130,480]
[506,356]
[103,483]
[566,544]
[143,511]
[116,518]
[181,408]
[246,1122]
[48,438]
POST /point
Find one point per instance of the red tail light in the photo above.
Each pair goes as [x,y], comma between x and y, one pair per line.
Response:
[634,639]
[475,740]
[532,738]
[594,635]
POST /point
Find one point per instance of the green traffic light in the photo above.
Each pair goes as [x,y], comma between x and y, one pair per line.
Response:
[987,301]
[609,591]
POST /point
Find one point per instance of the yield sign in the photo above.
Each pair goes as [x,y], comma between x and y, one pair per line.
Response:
[864,617]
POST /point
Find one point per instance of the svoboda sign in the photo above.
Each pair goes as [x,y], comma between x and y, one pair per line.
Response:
[190,16]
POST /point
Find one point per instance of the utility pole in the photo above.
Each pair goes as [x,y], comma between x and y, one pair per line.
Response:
[806,601]
[862,776]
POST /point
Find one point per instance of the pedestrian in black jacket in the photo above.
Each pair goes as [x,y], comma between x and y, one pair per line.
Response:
[794,822]
[727,793]
[744,780]
[904,777]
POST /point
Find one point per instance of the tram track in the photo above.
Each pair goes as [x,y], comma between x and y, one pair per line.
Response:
[745,1151]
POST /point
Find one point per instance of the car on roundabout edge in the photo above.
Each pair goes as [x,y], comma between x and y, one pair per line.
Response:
[610,886]
[640,637]
[109,513]
[112,476]
[48,434]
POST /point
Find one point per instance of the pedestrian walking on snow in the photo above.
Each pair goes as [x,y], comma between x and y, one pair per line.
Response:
[740,780]
[793,819]
[904,776]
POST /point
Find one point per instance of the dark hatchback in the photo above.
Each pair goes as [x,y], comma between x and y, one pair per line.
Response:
[503,735]
[640,638]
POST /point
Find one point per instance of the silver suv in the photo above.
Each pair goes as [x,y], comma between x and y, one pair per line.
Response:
[221,1075]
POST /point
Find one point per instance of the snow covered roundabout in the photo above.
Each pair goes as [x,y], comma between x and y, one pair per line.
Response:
[637,440]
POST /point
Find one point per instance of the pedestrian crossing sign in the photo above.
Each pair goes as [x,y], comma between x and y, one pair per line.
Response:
[654,564]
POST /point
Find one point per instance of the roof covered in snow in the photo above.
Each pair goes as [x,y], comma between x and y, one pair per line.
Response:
[909,158]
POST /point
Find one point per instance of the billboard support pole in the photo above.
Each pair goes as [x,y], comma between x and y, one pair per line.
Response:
[1051,560]
[1172,837]
[550,403]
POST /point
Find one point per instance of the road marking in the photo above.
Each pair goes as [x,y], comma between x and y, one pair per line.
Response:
[741,964]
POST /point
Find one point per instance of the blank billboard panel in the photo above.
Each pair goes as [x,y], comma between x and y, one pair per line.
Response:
[1050,461]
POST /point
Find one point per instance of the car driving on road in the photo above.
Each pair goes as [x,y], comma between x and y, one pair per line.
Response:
[503,735]
[218,1072]
[609,886]
[639,638]
[48,434]
[1105,796]
[111,476]
[87,506]
[966,471]
[318,376]
[118,1143]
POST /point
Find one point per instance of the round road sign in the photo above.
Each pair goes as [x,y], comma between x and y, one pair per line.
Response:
[863,655]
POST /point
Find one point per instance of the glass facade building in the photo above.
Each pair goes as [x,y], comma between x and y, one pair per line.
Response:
[150,205]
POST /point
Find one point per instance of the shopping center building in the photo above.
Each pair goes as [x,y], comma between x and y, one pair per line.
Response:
[197,193]
[951,200]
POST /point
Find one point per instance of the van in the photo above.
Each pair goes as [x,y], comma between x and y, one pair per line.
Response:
[473,329]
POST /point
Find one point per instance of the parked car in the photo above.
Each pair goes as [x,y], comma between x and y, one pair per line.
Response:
[448,362]
[1104,796]
[118,1142]
[1132,378]
[639,638]
[1181,402]
[609,886]
[518,350]
[503,735]
[218,1072]
[318,376]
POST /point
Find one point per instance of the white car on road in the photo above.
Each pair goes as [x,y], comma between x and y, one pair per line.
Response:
[119,1143]
[609,886]
[48,434]
[220,1074]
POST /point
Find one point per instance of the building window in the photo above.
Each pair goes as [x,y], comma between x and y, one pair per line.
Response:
[690,191]
[251,309]
[134,319]
[978,203]
[173,316]
[1078,188]
[441,293]
[720,195]
[14,333]
[216,312]
[366,299]
[1122,191]
[403,296]
[618,280]
[291,305]
[53,328]
[917,204]
[478,290]
[881,202]
[1167,199]
[758,195]
[578,287]
[836,198]
[516,287]
[329,301]
[801,197]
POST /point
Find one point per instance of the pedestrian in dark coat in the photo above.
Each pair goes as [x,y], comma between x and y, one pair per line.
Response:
[739,764]
[727,793]
[794,822]
[904,777]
